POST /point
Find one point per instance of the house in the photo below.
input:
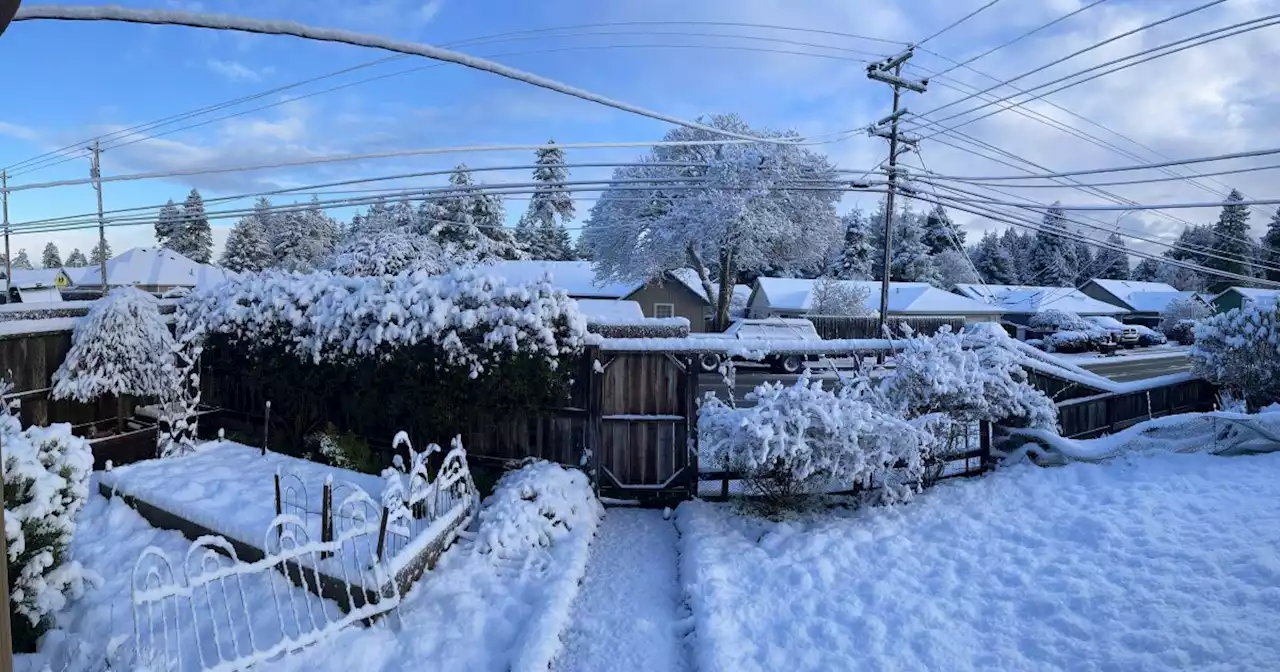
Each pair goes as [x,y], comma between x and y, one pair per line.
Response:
[40,285]
[1145,301]
[1243,297]
[662,297]
[794,297]
[1019,303]
[153,269]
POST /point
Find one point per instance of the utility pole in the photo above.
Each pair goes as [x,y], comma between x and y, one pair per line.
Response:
[889,71]
[95,173]
[4,206]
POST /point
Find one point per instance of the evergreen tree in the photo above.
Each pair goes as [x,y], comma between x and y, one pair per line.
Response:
[1147,270]
[1231,240]
[76,259]
[51,258]
[247,248]
[1019,247]
[168,225]
[474,223]
[911,259]
[325,231]
[995,263]
[22,261]
[939,231]
[100,252]
[195,239]
[290,245]
[855,261]
[541,231]
[1082,259]
[1050,265]
[1271,241]
[1111,264]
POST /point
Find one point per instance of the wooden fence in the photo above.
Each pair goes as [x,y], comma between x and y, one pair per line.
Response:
[842,326]
[1093,416]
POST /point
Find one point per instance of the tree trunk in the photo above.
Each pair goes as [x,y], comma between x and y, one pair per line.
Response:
[725,296]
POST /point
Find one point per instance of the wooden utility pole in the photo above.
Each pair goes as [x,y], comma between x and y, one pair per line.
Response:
[889,71]
[95,172]
[8,256]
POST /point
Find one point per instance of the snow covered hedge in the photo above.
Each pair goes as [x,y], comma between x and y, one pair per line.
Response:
[425,353]
[46,482]
[1240,350]
[1070,341]
[1058,320]
[388,252]
[123,346]
[534,507]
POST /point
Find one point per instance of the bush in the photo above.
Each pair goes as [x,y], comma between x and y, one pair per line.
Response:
[1071,341]
[1179,312]
[535,506]
[1182,331]
[123,346]
[1240,351]
[346,450]
[1058,320]
[46,482]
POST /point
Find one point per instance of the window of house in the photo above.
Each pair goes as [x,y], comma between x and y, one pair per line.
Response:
[664,310]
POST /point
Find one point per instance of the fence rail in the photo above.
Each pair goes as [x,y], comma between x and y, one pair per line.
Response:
[845,327]
[1093,416]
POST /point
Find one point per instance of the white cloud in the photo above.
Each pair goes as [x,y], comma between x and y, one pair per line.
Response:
[429,9]
[237,72]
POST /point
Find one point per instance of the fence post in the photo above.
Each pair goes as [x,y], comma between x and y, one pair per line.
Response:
[266,428]
[692,382]
[382,534]
[591,435]
[326,515]
[279,504]
[984,444]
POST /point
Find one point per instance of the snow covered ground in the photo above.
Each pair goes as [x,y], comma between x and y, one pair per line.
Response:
[628,614]
[1157,562]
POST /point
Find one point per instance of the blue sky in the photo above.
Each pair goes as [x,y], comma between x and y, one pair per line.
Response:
[74,81]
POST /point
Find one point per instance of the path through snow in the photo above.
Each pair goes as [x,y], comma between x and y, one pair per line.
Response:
[627,611]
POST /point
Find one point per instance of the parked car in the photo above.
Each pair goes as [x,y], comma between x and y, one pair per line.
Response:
[768,329]
[1126,335]
[1148,337]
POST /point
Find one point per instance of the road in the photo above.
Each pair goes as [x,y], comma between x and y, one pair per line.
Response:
[1124,371]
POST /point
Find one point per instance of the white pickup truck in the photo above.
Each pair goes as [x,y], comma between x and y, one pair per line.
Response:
[1125,335]
[767,329]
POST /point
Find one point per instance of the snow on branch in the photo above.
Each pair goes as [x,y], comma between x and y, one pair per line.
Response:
[122,346]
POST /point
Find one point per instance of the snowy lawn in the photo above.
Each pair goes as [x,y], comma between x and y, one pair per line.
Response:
[108,540]
[1159,562]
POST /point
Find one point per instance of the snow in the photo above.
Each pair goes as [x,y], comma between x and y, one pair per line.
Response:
[795,295]
[40,326]
[1143,297]
[575,278]
[33,278]
[152,266]
[1156,562]
[628,616]
[1153,352]
[612,312]
[39,295]
[689,278]
[754,348]
[1026,299]
[1218,432]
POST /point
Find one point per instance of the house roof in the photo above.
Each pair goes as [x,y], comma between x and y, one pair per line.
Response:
[154,266]
[1143,297]
[1024,299]
[796,295]
[610,311]
[689,278]
[24,278]
[576,278]
[1255,293]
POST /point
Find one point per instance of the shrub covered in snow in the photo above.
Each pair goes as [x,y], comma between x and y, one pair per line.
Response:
[1240,350]
[1070,341]
[46,482]
[345,450]
[801,439]
[1058,320]
[534,507]
[123,346]
[970,378]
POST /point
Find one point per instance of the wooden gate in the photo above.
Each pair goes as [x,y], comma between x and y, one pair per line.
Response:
[646,438]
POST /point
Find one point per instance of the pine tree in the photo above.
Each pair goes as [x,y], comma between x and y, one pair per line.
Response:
[1050,265]
[855,261]
[247,248]
[911,259]
[195,240]
[100,252]
[1082,259]
[1230,244]
[1019,247]
[994,262]
[940,233]
[22,261]
[168,225]
[290,246]
[1147,270]
[541,231]
[1271,241]
[76,259]
[474,223]
[51,258]
[1111,264]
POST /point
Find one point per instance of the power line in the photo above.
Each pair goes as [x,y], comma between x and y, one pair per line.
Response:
[1015,40]
[1098,171]
[957,22]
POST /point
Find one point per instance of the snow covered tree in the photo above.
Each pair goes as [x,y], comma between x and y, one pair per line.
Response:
[389,252]
[377,218]
[1020,247]
[1180,316]
[169,225]
[474,222]
[1231,241]
[20,260]
[855,261]
[247,248]
[76,259]
[1111,264]
[1240,351]
[940,233]
[994,262]
[911,259]
[194,239]
[838,297]
[1050,265]
[541,231]
[291,247]
[952,268]
[1081,258]
[123,346]
[46,483]
[738,217]
[100,252]
[51,258]
[1271,241]
[1147,270]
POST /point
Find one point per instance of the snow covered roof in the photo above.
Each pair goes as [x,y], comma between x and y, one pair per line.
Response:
[1254,294]
[24,278]
[1020,299]
[689,278]
[1143,297]
[155,266]
[796,295]
[610,311]
[576,278]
